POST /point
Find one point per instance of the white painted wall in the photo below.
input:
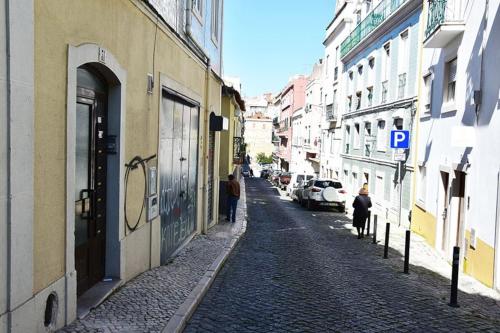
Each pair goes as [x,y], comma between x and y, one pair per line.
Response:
[3,165]
[435,146]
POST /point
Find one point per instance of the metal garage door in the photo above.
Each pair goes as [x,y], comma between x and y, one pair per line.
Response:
[178,159]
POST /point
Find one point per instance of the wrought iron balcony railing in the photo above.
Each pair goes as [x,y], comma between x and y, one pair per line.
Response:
[331,112]
[378,15]
[441,11]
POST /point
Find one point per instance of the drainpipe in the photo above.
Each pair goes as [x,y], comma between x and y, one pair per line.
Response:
[206,133]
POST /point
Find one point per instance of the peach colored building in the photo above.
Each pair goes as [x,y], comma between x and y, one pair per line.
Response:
[292,99]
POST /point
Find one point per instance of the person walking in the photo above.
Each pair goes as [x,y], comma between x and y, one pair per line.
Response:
[233,195]
[361,205]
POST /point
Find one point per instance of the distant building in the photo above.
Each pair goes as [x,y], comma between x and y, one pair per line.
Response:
[306,127]
[258,136]
[290,99]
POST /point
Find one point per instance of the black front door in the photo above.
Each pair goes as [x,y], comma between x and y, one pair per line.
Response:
[90,180]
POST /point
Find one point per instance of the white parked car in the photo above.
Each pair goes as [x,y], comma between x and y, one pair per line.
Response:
[324,192]
[296,179]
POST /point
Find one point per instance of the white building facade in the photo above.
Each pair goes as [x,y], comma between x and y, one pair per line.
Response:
[457,197]
[306,125]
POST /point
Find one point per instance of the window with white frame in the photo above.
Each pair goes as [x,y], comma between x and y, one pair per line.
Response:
[403,60]
[422,182]
[349,103]
[347,139]
[215,19]
[332,143]
[427,92]
[386,63]
[367,138]
[379,187]
[451,71]
[358,17]
[398,124]
[358,100]
[369,96]
[368,4]
[384,92]
[355,182]
[381,136]
[356,136]
[401,85]
[326,64]
[371,70]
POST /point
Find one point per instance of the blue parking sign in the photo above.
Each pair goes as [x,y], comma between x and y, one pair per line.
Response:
[400,139]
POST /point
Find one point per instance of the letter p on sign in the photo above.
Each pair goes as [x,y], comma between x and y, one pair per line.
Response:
[400,139]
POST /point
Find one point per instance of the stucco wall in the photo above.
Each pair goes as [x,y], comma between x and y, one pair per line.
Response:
[109,24]
[3,163]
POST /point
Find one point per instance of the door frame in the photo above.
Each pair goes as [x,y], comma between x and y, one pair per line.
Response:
[106,64]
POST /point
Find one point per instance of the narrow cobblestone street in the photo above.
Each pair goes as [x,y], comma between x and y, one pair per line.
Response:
[302,271]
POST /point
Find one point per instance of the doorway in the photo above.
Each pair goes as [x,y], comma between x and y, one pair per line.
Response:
[458,193]
[444,209]
[90,178]
[178,171]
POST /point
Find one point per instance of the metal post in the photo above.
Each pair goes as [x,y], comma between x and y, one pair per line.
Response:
[400,174]
[454,277]
[386,246]
[375,217]
[369,222]
[407,253]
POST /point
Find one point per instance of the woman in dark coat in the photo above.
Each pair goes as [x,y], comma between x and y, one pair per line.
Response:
[361,205]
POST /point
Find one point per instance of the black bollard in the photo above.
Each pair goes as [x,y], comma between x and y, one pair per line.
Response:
[375,229]
[386,246]
[368,224]
[454,277]
[407,252]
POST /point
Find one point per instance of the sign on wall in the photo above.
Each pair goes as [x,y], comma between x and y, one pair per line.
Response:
[400,139]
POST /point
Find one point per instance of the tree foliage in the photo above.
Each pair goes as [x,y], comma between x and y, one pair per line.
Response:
[263,159]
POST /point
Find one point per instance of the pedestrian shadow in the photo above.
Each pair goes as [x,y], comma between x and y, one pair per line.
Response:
[482,308]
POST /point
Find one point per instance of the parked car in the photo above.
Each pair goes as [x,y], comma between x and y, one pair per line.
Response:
[324,192]
[265,173]
[296,179]
[275,177]
[284,180]
[297,191]
[245,170]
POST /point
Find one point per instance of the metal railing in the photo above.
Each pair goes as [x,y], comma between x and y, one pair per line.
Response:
[441,11]
[378,15]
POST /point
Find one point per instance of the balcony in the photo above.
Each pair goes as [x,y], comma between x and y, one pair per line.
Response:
[445,22]
[372,21]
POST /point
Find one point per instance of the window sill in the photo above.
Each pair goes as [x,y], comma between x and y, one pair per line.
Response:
[448,107]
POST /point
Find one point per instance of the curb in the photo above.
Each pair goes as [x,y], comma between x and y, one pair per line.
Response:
[178,321]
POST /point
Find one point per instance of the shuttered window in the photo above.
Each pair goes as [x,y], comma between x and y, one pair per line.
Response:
[451,69]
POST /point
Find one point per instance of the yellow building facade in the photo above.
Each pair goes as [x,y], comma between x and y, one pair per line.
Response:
[125,169]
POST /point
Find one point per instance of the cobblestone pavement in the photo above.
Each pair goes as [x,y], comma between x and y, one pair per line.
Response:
[146,303]
[300,271]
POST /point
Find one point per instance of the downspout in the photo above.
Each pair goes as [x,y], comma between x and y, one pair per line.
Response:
[206,133]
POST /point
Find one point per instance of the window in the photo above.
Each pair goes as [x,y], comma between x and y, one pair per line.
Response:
[358,17]
[198,7]
[367,139]
[332,144]
[386,64]
[422,172]
[384,92]
[215,19]
[356,136]
[347,138]
[371,62]
[403,52]
[349,103]
[398,124]
[360,69]
[369,95]
[402,86]
[381,136]
[428,92]
[358,100]
[326,65]
[321,96]
[451,70]
[368,6]
[334,101]
[355,182]
[380,187]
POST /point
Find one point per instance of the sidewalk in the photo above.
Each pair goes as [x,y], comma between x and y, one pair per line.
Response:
[162,299]
[429,267]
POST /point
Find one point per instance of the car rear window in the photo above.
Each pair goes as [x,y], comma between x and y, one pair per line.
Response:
[327,183]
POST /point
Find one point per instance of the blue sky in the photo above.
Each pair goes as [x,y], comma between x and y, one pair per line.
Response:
[267,41]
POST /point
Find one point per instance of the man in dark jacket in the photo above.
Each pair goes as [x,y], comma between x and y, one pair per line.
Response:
[361,205]
[233,195]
